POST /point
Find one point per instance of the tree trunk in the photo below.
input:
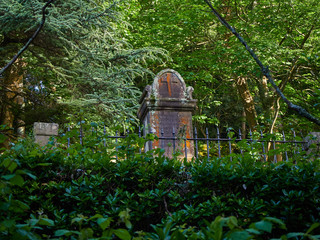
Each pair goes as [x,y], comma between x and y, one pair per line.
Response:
[247,101]
[243,125]
[12,100]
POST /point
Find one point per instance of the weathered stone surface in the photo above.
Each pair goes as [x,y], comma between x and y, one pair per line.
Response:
[167,106]
[43,132]
[48,129]
[42,140]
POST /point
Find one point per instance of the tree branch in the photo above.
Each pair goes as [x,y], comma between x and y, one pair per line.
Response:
[30,40]
[265,70]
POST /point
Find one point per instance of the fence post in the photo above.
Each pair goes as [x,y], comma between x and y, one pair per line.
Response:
[284,140]
[240,138]
[185,148]
[274,148]
[295,143]
[219,147]
[196,139]
[68,141]
[139,137]
[229,141]
[174,140]
[117,145]
[81,136]
[263,147]
[162,140]
[104,134]
[208,147]
[250,134]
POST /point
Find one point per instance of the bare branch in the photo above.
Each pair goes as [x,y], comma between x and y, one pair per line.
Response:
[30,40]
[265,70]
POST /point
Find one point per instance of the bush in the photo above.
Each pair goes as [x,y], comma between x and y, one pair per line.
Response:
[47,194]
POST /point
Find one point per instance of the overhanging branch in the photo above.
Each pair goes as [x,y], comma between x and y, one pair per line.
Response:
[30,40]
[265,70]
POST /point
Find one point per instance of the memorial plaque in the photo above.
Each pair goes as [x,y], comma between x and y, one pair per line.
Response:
[44,131]
[167,106]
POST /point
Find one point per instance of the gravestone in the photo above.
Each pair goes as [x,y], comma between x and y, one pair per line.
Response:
[44,131]
[167,107]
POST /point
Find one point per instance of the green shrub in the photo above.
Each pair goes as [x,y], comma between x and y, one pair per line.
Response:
[46,193]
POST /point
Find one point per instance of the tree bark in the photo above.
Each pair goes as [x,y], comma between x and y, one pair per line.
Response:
[12,100]
[247,101]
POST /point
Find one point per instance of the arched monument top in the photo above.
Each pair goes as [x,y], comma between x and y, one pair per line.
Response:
[169,84]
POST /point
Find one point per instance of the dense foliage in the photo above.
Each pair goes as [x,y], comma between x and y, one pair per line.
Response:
[227,82]
[97,55]
[91,60]
[80,57]
[48,193]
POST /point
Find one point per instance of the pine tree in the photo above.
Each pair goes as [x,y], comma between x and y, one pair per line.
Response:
[81,56]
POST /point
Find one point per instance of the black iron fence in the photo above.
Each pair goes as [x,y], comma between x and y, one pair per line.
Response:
[267,147]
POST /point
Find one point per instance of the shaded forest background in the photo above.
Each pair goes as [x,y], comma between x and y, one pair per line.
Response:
[92,59]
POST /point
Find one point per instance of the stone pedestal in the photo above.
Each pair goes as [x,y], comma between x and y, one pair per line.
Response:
[167,106]
[44,131]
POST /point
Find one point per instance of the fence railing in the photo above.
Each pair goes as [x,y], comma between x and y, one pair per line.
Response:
[267,147]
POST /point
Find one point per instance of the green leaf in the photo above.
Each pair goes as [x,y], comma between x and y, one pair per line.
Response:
[17,180]
[122,234]
[46,222]
[276,220]
[104,222]
[253,231]
[239,235]
[77,219]
[96,216]
[178,235]
[8,223]
[44,164]
[20,206]
[31,176]
[2,138]
[64,232]
[216,227]
[86,233]
[293,235]
[313,226]
[264,226]
[128,224]
[27,234]
[8,177]
[12,166]
[6,162]
[232,222]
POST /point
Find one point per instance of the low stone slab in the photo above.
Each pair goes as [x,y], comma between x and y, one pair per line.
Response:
[44,131]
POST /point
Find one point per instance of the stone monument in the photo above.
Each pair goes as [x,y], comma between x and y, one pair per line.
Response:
[167,107]
[44,131]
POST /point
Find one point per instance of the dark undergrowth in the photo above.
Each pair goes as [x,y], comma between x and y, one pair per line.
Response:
[52,193]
